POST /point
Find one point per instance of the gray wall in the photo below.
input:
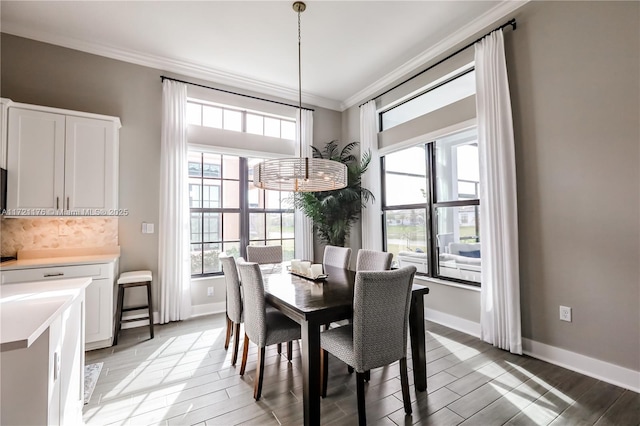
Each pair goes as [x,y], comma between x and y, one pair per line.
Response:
[44,74]
[574,76]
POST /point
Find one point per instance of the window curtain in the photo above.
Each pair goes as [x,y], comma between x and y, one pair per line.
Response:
[304,226]
[371,215]
[174,272]
[500,293]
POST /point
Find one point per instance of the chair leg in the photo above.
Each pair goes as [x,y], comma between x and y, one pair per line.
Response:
[290,350]
[150,308]
[367,375]
[243,364]
[279,348]
[229,329]
[350,369]
[404,380]
[257,381]
[324,368]
[118,315]
[362,414]
[236,343]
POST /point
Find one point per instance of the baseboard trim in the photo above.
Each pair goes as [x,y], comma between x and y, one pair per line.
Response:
[454,322]
[207,309]
[601,370]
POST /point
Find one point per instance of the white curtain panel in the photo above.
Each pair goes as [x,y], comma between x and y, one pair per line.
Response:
[304,226]
[500,293]
[174,271]
[371,215]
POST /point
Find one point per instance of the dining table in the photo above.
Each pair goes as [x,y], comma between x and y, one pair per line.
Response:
[315,303]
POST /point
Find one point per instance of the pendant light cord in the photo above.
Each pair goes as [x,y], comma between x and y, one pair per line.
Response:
[300,81]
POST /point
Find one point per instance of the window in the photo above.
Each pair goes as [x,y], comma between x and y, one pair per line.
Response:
[440,95]
[239,120]
[431,207]
[223,203]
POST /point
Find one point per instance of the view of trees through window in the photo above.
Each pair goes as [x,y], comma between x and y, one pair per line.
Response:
[437,209]
[223,202]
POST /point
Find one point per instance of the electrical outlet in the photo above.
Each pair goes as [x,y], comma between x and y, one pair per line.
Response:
[209,291]
[565,313]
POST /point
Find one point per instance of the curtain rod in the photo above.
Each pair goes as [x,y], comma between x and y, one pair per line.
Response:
[164,77]
[511,23]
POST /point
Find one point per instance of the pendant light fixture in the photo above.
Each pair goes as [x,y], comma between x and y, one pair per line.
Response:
[302,174]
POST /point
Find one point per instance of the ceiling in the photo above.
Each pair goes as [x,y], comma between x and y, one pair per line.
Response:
[350,49]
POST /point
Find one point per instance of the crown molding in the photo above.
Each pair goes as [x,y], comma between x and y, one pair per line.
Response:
[184,68]
[483,21]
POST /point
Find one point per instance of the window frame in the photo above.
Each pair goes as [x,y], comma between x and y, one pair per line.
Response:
[430,207]
[243,210]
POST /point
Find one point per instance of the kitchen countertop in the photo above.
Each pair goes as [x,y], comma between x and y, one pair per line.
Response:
[57,261]
[27,309]
[61,257]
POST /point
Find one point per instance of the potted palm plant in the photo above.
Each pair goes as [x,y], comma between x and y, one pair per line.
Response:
[334,212]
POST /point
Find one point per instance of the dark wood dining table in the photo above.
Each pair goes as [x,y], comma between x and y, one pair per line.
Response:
[315,303]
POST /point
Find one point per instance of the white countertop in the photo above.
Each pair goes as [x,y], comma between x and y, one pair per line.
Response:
[27,309]
[58,261]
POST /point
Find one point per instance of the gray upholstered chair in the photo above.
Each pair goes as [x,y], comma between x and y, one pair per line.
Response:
[337,256]
[264,255]
[378,334]
[269,255]
[373,260]
[234,303]
[262,326]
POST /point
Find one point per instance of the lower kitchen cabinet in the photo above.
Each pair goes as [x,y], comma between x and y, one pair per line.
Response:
[43,384]
[98,331]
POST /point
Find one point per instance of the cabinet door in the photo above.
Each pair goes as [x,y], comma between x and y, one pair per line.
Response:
[90,164]
[72,364]
[99,315]
[35,166]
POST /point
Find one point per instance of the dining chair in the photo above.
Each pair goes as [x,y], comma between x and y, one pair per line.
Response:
[234,304]
[337,256]
[378,334]
[373,260]
[262,326]
[264,255]
[269,255]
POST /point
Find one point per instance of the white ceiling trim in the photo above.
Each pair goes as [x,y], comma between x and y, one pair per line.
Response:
[491,17]
[166,64]
[199,71]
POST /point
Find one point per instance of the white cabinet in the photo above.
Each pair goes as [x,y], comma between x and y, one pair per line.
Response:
[43,384]
[98,330]
[61,160]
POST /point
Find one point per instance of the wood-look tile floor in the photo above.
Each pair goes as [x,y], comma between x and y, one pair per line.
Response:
[184,377]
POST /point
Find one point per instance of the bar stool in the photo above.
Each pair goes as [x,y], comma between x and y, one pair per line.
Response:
[128,280]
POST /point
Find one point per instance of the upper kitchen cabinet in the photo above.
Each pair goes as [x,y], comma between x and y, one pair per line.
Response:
[61,160]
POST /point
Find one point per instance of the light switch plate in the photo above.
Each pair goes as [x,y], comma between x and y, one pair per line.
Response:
[147,228]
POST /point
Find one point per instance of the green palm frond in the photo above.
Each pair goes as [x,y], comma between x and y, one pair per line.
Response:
[334,212]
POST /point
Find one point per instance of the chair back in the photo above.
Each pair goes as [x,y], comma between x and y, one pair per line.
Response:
[264,254]
[380,315]
[255,323]
[337,256]
[373,260]
[234,296]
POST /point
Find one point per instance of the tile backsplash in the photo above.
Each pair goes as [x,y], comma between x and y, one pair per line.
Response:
[47,233]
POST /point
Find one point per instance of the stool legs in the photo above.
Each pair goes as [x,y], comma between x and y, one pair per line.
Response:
[150,303]
[118,315]
[120,310]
